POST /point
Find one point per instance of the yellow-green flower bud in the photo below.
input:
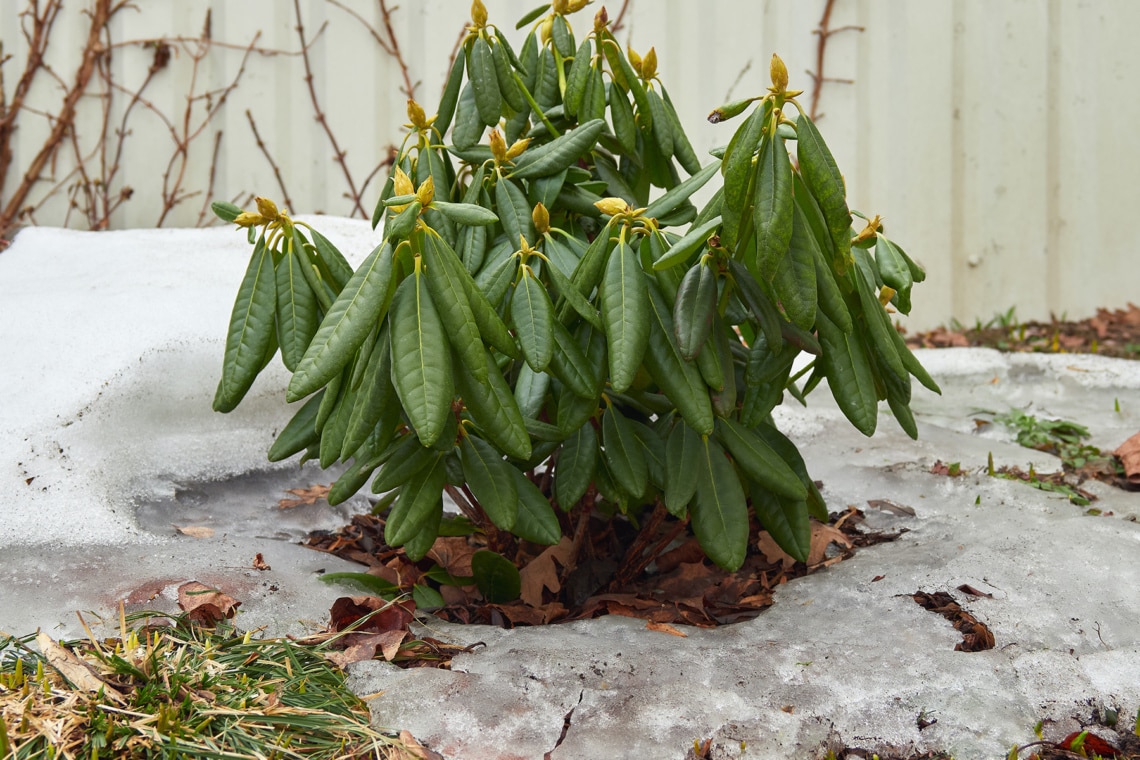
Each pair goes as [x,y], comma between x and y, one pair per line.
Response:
[612,206]
[416,115]
[249,219]
[779,73]
[268,209]
[402,183]
[649,65]
[426,192]
[517,148]
[541,218]
[478,14]
[498,146]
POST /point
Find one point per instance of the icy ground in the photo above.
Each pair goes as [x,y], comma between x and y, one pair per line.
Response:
[112,347]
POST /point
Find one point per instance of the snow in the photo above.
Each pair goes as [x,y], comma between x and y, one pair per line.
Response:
[113,344]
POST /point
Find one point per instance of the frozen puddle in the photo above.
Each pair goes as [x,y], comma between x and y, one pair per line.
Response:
[259,504]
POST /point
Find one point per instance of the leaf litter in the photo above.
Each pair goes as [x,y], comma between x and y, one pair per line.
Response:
[602,568]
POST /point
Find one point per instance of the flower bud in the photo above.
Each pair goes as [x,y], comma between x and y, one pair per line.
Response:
[416,115]
[478,14]
[426,192]
[402,183]
[634,60]
[779,73]
[541,218]
[601,20]
[268,209]
[546,29]
[561,7]
[498,146]
[249,219]
[517,148]
[612,206]
[649,65]
[577,5]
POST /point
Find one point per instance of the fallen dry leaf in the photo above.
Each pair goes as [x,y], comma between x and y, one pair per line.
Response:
[77,673]
[381,614]
[204,604]
[1129,453]
[195,531]
[259,563]
[665,628]
[310,495]
[822,536]
[542,572]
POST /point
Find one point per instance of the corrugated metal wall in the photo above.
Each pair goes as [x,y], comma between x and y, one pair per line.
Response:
[996,138]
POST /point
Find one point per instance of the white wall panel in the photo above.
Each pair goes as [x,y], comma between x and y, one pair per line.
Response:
[996,138]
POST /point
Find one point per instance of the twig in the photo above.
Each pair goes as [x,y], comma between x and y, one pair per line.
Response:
[616,26]
[825,31]
[269,158]
[204,213]
[338,154]
[636,559]
[101,13]
[387,41]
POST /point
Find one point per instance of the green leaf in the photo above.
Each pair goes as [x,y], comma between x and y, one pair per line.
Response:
[481,72]
[682,452]
[406,458]
[468,126]
[530,390]
[625,302]
[426,597]
[296,308]
[496,576]
[469,214]
[787,450]
[446,288]
[421,361]
[225,210]
[759,461]
[494,409]
[822,177]
[621,115]
[576,79]
[571,366]
[536,520]
[571,294]
[685,247]
[420,501]
[370,583]
[375,399]
[795,277]
[682,192]
[487,320]
[532,315]
[490,481]
[505,75]
[786,520]
[772,207]
[514,213]
[560,152]
[593,105]
[251,330]
[623,453]
[694,309]
[662,124]
[575,466]
[299,433]
[720,511]
[450,97]
[679,379]
[736,166]
[360,305]
[848,371]
[682,148]
[335,267]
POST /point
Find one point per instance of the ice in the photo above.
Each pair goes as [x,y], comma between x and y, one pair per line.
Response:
[114,342]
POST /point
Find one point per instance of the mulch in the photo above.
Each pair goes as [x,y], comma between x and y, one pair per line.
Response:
[1112,332]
